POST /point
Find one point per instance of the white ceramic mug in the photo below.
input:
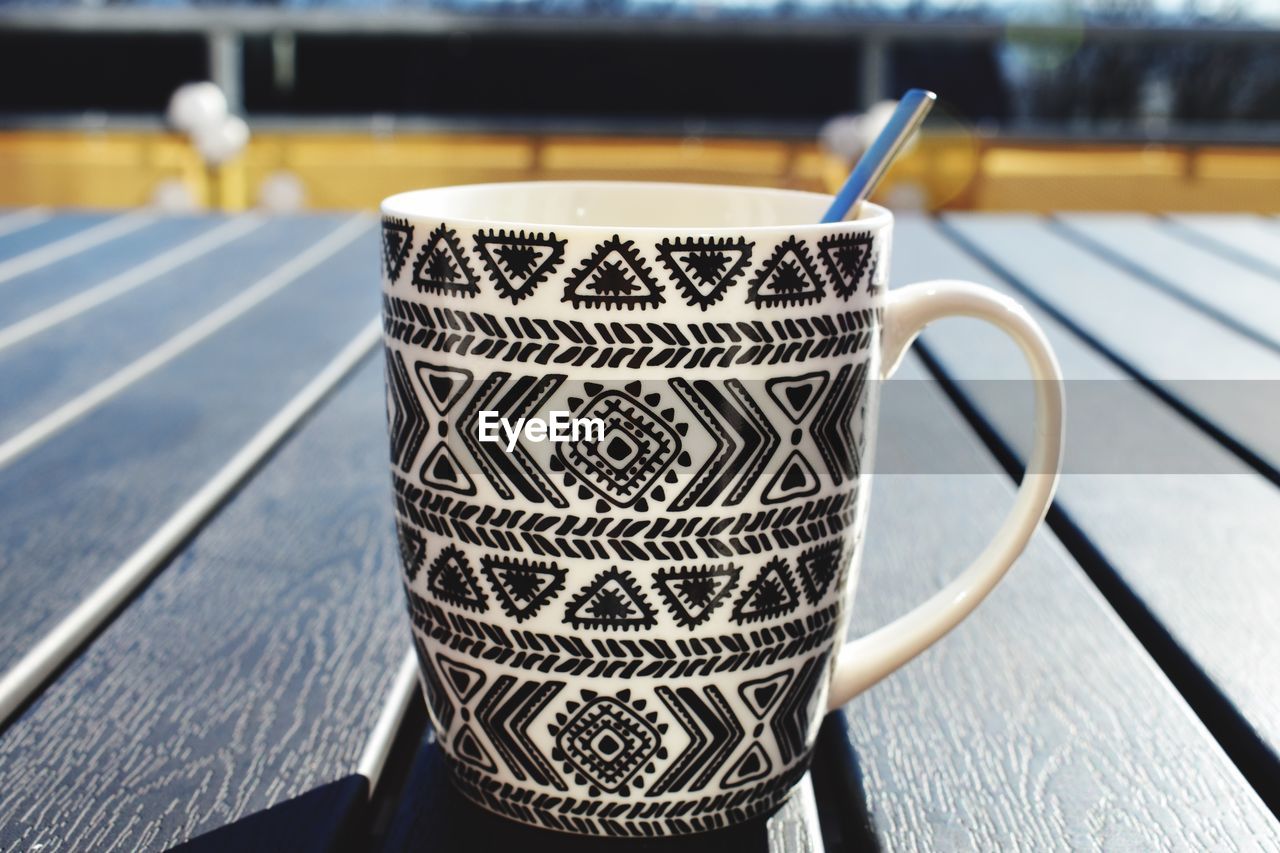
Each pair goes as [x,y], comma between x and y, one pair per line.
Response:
[633,629]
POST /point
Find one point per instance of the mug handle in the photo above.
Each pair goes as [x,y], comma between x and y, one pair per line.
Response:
[866,660]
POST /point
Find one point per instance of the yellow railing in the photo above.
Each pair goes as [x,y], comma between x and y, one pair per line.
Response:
[350,170]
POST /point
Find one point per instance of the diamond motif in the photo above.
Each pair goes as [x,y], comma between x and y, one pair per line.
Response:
[608,741]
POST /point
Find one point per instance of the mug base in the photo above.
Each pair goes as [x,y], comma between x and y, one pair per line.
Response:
[598,819]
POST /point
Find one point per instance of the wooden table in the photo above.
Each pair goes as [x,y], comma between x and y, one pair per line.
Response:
[200,615]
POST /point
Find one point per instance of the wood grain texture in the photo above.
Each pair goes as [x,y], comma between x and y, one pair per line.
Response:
[1039,723]
[1196,545]
[73,508]
[1246,237]
[49,231]
[1192,358]
[245,678]
[1181,264]
[48,285]
[44,372]
[432,815]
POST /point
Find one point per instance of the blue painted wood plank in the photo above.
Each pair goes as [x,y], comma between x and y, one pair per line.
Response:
[240,687]
[1245,237]
[45,371]
[1039,723]
[1181,264]
[1187,356]
[1183,525]
[43,233]
[74,507]
[52,283]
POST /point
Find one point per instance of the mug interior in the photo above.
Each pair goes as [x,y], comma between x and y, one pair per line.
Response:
[618,204]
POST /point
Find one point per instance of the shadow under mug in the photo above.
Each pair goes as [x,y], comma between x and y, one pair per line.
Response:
[632,429]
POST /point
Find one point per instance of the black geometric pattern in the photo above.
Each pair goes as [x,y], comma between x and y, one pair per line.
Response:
[516,471]
[743,437]
[413,549]
[762,695]
[833,428]
[787,278]
[714,733]
[792,720]
[406,421]
[770,595]
[692,592]
[845,256]
[615,276]
[612,601]
[817,567]
[442,470]
[442,266]
[441,708]
[575,343]
[522,587]
[462,680]
[505,714]
[704,269]
[518,263]
[397,240]
[468,748]
[607,741]
[638,447]
[797,395]
[795,479]
[450,579]
[752,766]
[444,384]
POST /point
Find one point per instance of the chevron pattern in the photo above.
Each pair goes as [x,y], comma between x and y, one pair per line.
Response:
[833,426]
[744,442]
[406,419]
[714,733]
[792,720]
[516,471]
[505,713]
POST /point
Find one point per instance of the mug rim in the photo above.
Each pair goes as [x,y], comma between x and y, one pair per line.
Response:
[408,205]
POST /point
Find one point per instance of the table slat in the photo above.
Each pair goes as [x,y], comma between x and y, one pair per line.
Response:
[1246,237]
[1180,264]
[1039,723]
[1192,360]
[17,242]
[88,497]
[1195,543]
[246,677]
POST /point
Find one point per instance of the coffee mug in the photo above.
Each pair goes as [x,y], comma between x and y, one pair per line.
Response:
[632,428]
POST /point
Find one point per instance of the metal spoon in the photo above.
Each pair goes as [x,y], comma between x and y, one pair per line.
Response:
[877,159]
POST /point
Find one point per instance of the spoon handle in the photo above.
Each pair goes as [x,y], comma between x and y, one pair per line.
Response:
[873,164]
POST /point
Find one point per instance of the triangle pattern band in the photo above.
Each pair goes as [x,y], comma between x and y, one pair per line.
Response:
[846,258]
[615,276]
[770,595]
[788,278]
[817,567]
[704,269]
[442,266]
[612,601]
[518,263]
[522,587]
[397,240]
[450,579]
[692,593]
